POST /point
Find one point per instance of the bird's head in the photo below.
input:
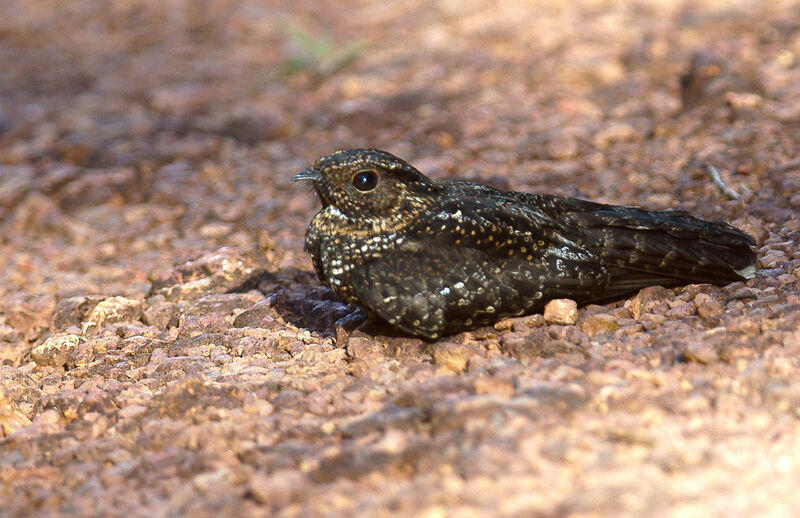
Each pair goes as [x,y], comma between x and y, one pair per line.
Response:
[369,185]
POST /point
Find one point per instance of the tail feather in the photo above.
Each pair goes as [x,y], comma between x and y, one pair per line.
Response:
[650,246]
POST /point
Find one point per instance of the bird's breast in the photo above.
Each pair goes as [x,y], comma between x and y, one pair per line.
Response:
[339,251]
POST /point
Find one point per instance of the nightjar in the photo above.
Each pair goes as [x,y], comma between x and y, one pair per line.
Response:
[437,257]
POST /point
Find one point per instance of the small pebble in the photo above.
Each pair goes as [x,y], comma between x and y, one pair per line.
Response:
[700,352]
[708,307]
[599,323]
[561,311]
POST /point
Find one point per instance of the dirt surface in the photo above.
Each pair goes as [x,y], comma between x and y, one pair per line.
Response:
[167,350]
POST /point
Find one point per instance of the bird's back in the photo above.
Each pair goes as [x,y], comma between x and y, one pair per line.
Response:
[636,247]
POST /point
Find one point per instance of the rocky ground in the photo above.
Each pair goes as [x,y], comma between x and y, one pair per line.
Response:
[167,350]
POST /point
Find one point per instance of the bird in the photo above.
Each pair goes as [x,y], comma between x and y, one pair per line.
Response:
[436,257]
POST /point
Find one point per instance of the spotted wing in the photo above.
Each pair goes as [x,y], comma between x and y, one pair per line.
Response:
[657,247]
[599,252]
[434,291]
[469,265]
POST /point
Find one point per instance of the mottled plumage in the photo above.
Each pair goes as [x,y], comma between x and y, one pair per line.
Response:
[436,257]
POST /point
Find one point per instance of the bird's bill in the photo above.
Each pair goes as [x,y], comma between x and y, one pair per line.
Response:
[309,174]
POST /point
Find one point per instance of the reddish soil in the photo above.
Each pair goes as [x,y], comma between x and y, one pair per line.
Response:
[166,349]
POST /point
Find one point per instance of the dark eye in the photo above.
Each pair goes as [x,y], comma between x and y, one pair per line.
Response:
[365,180]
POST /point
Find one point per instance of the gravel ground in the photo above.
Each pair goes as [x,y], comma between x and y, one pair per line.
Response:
[167,350]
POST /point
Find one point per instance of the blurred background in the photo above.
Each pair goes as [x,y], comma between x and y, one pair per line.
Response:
[134,134]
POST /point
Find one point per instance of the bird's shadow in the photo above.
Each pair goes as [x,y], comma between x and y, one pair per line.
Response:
[297,298]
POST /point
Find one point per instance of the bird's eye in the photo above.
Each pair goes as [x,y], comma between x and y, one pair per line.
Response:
[365,180]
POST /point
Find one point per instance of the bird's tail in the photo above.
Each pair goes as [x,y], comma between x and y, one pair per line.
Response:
[643,247]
